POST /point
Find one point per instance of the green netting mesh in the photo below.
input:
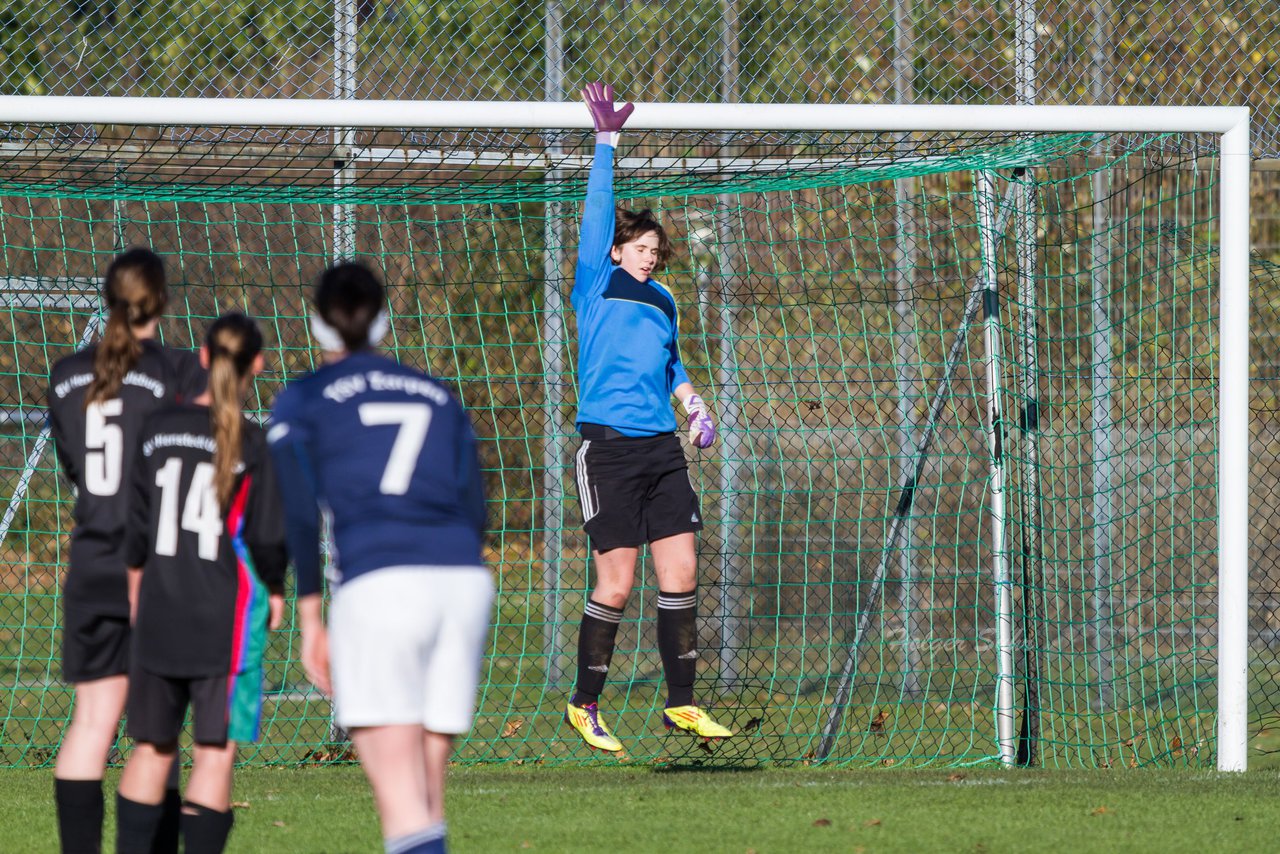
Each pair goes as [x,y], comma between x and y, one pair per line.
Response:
[828,287]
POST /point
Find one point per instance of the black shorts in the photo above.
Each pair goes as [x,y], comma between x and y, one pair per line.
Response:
[157,707]
[635,491]
[94,646]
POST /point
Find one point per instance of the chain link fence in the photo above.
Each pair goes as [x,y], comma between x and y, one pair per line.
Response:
[865,51]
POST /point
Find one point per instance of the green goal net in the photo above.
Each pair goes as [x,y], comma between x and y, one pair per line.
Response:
[886,574]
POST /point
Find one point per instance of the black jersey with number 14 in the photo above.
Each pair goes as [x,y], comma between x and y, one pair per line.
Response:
[206,574]
[95,448]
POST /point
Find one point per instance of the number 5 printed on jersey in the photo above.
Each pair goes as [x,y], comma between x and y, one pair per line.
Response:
[103,447]
[412,421]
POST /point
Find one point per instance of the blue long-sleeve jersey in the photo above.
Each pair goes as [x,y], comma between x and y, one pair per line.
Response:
[628,357]
[391,455]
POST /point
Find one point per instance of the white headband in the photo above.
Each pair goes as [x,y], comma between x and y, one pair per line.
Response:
[331,342]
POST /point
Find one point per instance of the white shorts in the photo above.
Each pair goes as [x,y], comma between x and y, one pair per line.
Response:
[406,644]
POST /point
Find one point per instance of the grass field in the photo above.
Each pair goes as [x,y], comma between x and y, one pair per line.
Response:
[769,810]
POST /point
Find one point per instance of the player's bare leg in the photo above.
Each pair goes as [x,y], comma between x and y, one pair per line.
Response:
[211,769]
[615,576]
[147,772]
[395,761]
[437,747]
[95,720]
[675,563]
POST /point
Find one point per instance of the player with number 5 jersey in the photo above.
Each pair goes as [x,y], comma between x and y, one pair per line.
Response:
[391,455]
[98,399]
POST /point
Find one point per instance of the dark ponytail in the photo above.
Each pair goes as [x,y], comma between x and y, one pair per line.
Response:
[233,342]
[135,292]
[349,297]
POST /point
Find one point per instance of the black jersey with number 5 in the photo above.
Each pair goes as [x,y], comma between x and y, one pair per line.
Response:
[95,448]
[202,607]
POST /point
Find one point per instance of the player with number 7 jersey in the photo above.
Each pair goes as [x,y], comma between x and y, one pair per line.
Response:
[390,454]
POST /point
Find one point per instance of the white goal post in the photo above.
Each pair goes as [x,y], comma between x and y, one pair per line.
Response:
[1230,124]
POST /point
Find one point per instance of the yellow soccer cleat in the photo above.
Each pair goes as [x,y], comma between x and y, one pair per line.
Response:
[693,720]
[586,720]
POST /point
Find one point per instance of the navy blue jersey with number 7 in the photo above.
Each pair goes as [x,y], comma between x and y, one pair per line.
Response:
[390,454]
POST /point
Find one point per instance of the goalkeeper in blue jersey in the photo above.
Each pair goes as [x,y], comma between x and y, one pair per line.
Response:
[633,480]
[390,455]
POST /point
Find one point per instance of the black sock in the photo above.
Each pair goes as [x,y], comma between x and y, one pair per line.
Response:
[678,644]
[79,804]
[167,831]
[205,830]
[595,650]
[135,825]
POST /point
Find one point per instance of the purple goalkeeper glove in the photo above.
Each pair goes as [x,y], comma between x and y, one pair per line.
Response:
[607,120]
[702,430]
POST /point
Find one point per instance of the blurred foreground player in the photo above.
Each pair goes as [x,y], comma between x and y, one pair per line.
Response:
[390,454]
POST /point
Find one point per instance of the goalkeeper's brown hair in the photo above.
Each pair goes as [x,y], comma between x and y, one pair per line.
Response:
[632,225]
[135,292]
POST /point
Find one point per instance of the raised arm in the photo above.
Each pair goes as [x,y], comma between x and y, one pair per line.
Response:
[595,239]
